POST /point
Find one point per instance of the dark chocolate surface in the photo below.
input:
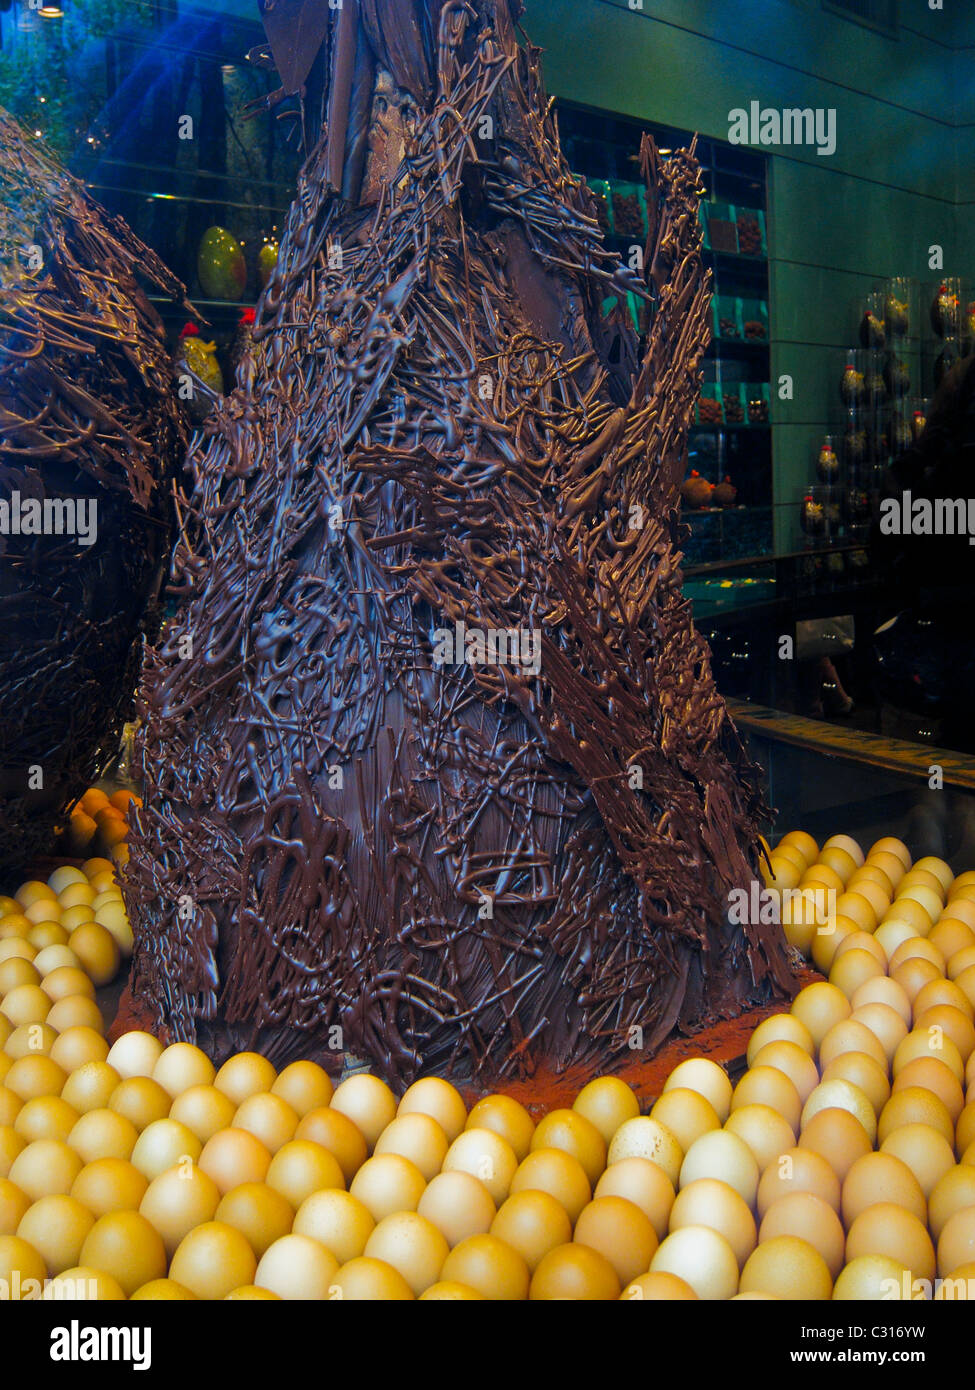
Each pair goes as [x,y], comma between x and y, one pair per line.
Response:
[346,845]
[87,413]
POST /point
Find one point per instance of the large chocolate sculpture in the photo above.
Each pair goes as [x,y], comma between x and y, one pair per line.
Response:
[437,773]
[90,435]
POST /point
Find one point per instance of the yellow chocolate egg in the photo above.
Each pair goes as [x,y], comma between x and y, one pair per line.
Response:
[245,1074]
[213,1259]
[337,1220]
[179,1200]
[510,1119]
[103,1133]
[459,1205]
[269,1118]
[412,1245]
[204,1110]
[365,1280]
[787,1267]
[109,1184]
[162,1145]
[371,1106]
[232,1157]
[702,1258]
[302,1167]
[337,1133]
[387,1183]
[305,1086]
[419,1138]
[56,1227]
[258,1212]
[606,1102]
[181,1066]
[558,1173]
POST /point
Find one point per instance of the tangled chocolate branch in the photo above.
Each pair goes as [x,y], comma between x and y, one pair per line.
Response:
[87,415]
[464,867]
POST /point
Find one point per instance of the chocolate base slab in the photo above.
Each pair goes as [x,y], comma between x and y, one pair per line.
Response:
[368,827]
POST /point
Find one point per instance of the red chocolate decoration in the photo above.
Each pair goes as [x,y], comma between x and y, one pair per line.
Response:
[462,867]
[88,415]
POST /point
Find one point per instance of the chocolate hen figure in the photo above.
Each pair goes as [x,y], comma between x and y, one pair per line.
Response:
[90,437]
[437,773]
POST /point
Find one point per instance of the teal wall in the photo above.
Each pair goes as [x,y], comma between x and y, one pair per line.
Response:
[898,182]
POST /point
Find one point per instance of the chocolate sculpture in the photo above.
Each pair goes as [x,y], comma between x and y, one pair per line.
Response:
[90,435]
[436,768]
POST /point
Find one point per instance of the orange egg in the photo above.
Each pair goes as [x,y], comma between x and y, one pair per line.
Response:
[368,1280]
[260,1213]
[459,1205]
[943,992]
[921,878]
[419,1138]
[181,1066]
[386,1183]
[140,1099]
[819,1006]
[606,1102]
[302,1167]
[11,1145]
[10,1106]
[960,910]
[510,1119]
[125,1246]
[109,1184]
[960,962]
[809,1218]
[840,861]
[787,1267]
[412,1245]
[915,1105]
[558,1173]
[686,1114]
[26,1004]
[765,1132]
[234,1156]
[837,1136]
[437,1098]
[925,1042]
[722,1155]
[887,1026]
[204,1110]
[305,1086]
[97,950]
[884,1228]
[56,1227]
[571,1132]
[213,1259]
[882,990]
[490,1266]
[34,891]
[892,933]
[702,1258]
[269,1118]
[881,1177]
[853,968]
[954,1192]
[76,1012]
[913,975]
[337,1133]
[925,1152]
[828,939]
[658,1288]
[956,1244]
[965,979]
[782,873]
[965,1128]
[794,1062]
[780,1028]
[951,935]
[798,1170]
[338,1221]
[178,1201]
[533,1223]
[17,971]
[851,1036]
[245,1074]
[841,1095]
[803,843]
[369,1104]
[930,1074]
[164,1290]
[13,1205]
[768,1086]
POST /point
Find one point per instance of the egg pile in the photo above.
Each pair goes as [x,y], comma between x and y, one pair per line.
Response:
[98,823]
[841,1164]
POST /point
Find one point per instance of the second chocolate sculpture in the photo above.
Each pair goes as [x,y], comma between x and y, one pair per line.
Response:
[437,773]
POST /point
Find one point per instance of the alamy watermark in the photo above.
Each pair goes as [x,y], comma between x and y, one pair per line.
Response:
[764,125]
[926,516]
[493,646]
[52,516]
[756,906]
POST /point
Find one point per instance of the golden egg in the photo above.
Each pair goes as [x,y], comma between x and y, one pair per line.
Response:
[558,1173]
[828,940]
[76,1047]
[863,1071]
[965,1128]
[368,1103]
[871,873]
[269,1118]
[929,1074]
[891,934]
[417,1137]
[702,1258]
[510,1119]
[74,917]
[850,970]
[32,1076]
[882,990]
[488,1157]
[181,1066]
[234,1156]
[412,1245]
[17,971]
[924,1150]
[53,958]
[722,1155]
[56,1227]
[960,910]
[45,1168]
[803,913]
[794,1062]
[954,1192]
[213,1259]
[574,1272]
[921,875]
[337,1133]
[124,1245]
[925,897]
[769,1086]
[961,962]
[621,1232]
[336,1220]
[491,1266]
[644,1137]
[163,1291]
[371,1281]
[75,894]
[162,1145]
[861,941]
[956,1243]
[48,934]
[13,1205]
[780,1028]
[841,1095]
[450,1291]
[84,1282]
[45,1117]
[98,951]
[15,927]
[782,874]
[571,1132]
[647,1186]
[135,1054]
[62,877]
[139,1099]
[923,1042]
[109,1184]
[809,1218]
[787,1267]
[26,1004]
[22,1268]
[947,1021]
[204,1110]
[711,1203]
[103,1133]
[838,859]
[881,1177]
[245,1074]
[951,935]
[15,946]
[34,891]
[458,1204]
[90,1086]
[849,846]
[258,1212]
[112,916]
[885,1228]
[532,1223]
[707,1079]
[837,1136]
[873,894]
[819,1006]
[894,862]
[885,1023]
[30,1040]
[305,1086]
[76,1012]
[437,1098]
[798,1170]
[302,1167]
[606,1102]
[179,1200]
[851,1036]
[803,842]
[686,1114]
[387,1183]
[958,1285]
[764,1130]
[915,1105]
[658,1288]
[11,1145]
